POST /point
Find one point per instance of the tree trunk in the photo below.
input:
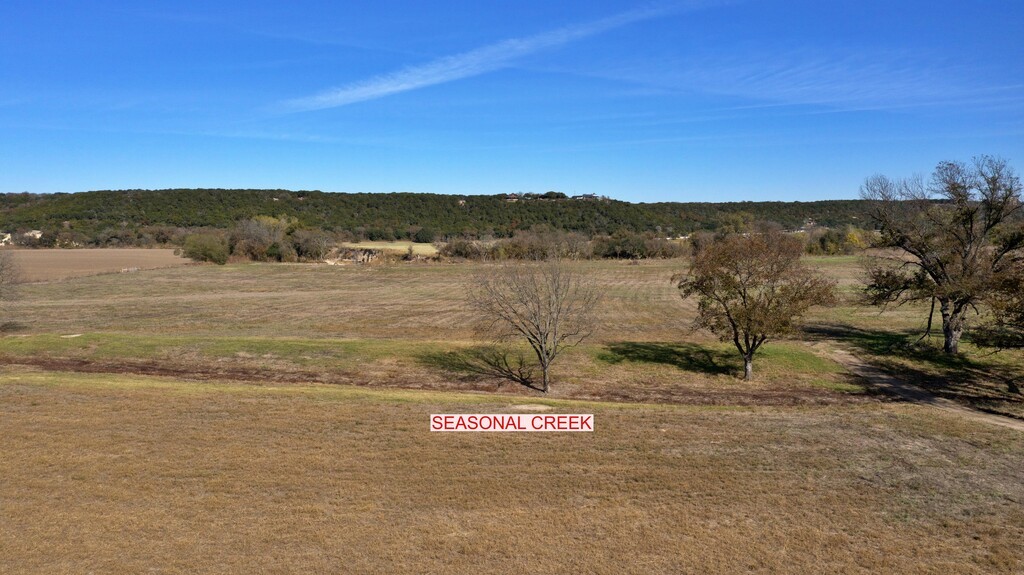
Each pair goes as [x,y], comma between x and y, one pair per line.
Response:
[951,339]
[544,371]
[748,368]
[952,327]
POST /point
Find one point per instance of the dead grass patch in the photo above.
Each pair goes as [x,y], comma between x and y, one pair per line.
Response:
[36,265]
[120,474]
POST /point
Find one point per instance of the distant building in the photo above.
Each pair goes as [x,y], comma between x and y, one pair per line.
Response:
[586,197]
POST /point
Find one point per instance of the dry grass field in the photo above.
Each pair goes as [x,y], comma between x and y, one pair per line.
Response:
[56,264]
[405,301]
[273,418]
[393,325]
[402,247]
[128,474]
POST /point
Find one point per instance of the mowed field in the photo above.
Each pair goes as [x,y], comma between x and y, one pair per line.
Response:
[274,418]
[390,325]
[127,474]
[405,324]
[56,264]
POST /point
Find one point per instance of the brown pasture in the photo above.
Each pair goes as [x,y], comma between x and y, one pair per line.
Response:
[37,265]
[248,418]
[125,474]
[389,325]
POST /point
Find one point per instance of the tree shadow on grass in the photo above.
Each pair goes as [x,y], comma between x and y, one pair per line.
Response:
[964,377]
[485,362]
[685,356]
[905,343]
[12,326]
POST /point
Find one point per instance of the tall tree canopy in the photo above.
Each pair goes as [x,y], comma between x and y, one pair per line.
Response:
[957,239]
[751,288]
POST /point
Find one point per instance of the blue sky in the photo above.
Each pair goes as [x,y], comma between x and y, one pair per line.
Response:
[668,101]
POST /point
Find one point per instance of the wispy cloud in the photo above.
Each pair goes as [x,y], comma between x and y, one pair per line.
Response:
[863,81]
[802,78]
[466,64]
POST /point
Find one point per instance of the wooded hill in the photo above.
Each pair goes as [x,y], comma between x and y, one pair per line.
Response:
[399,215]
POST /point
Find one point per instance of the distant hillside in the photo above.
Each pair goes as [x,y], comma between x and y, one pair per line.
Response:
[446,215]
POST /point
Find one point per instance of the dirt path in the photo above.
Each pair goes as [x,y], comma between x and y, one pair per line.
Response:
[896,386]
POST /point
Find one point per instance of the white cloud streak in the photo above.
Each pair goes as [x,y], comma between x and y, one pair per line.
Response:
[862,81]
[464,65]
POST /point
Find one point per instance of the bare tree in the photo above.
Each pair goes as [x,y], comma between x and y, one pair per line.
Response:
[751,288]
[549,304]
[956,239]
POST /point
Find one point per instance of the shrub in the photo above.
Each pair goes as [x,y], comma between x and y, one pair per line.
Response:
[253,238]
[462,248]
[836,242]
[380,235]
[206,248]
[282,252]
[541,243]
[312,245]
[525,246]
[424,236]
[629,245]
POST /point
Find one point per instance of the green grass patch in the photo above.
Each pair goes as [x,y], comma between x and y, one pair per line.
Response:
[307,352]
[795,358]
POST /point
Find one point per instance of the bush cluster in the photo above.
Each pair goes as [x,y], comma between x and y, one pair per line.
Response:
[206,247]
[544,243]
[262,239]
[842,241]
[634,246]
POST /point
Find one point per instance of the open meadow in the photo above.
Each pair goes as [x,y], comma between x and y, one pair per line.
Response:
[131,474]
[273,418]
[667,287]
[56,264]
[400,325]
